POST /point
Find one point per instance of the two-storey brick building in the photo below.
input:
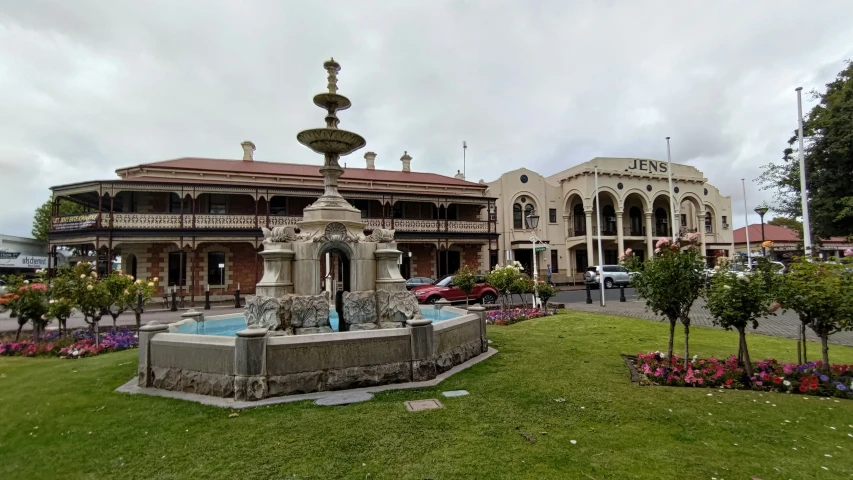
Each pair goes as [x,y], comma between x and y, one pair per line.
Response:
[196,222]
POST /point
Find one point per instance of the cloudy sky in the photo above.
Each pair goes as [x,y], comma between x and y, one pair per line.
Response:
[90,86]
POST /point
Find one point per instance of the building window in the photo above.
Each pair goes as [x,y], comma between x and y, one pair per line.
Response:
[216,204]
[725,222]
[552,215]
[609,220]
[683,219]
[175,204]
[528,210]
[636,221]
[132,203]
[611,257]
[177,268]
[708,224]
[555,261]
[278,206]
[362,206]
[661,223]
[398,210]
[215,273]
[517,222]
[579,219]
[133,266]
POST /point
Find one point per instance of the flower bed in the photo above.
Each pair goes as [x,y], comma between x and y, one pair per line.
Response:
[770,375]
[515,315]
[80,344]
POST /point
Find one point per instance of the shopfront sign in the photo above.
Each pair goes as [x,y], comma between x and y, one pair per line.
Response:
[74,222]
[18,260]
[651,166]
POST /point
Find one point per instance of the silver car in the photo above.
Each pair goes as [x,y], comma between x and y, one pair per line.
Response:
[614,275]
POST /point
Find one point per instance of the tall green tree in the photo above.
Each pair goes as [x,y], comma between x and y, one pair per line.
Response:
[41,220]
[788,222]
[828,140]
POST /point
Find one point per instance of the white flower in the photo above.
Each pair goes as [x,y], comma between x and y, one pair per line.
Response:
[662,355]
[786,383]
[155,279]
[94,274]
[139,281]
[52,301]
[42,317]
[82,276]
[89,287]
[26,282]
[150,284]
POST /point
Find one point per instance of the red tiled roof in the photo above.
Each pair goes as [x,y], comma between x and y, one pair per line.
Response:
[774,233]
[302,170]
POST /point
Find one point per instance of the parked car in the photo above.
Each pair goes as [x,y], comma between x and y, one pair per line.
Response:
[418,281]
[444,288]
[613,275]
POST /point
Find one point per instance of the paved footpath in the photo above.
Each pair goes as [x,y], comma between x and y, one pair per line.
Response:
[783,324]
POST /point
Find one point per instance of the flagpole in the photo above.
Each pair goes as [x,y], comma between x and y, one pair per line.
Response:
[746,218]
[671,197]
[464,149]
[600,251]
[807,233]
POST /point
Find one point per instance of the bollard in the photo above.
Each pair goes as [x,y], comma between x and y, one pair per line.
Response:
[237,298]
[621,293]
[207,299]
[588,296]
[174,301]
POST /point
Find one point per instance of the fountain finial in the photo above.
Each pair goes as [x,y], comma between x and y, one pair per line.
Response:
[333,68]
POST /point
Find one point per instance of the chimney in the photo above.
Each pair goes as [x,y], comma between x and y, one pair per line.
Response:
[248,150]
[370,157]
[407,162]
[459,175]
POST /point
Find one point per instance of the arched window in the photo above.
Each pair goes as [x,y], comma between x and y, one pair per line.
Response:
[661,223]
[517,222]
[609,220]
[579,219]
[528,210]
[708,224]
[636,221]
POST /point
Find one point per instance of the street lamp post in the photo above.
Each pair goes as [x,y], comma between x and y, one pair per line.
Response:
[761,211]
[533,222]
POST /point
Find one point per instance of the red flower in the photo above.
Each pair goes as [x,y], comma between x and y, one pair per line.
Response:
[777,380]
[729,382]
[803,388]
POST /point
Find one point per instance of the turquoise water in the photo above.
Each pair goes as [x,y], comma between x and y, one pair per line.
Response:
[228,327]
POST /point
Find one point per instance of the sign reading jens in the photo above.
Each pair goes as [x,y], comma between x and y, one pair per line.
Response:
[647,166]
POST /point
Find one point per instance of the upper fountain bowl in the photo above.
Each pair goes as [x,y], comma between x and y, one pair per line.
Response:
[332,100]
[331,140]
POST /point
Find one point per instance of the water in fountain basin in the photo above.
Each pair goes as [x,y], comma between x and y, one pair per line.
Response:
[229,326]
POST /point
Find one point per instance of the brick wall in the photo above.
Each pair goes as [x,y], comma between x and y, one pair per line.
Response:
[246,268]
[423,260]
[471,258]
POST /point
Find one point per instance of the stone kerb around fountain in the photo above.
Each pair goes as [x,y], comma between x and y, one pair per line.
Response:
[256,365]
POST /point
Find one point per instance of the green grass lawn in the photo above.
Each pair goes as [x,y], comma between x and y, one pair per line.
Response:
[61,419]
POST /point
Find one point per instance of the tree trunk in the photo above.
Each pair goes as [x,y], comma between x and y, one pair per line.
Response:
[671,335]
[824,340]
[746,360]
[799,347]
[686,345]
[97,336]
[18,333]
[803,334]
[740,353]
[138,316]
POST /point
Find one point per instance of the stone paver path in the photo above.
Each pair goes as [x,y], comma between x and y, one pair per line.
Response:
[783,324]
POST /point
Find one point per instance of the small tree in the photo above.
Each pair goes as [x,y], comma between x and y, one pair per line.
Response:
[117,286]
[736,302]
[670,282]
[61,304]
[465,280]
[546,292]
[137,295]
[29,300]
[520,286]
[90,296]
[502,277]
[822,295]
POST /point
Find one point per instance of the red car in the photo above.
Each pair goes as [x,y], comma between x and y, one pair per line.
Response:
[444,288]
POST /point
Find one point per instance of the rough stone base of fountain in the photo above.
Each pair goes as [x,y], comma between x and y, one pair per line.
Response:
[250,388]
[456,355]
[363,326]
[392,324]
[193,382]
[339,379]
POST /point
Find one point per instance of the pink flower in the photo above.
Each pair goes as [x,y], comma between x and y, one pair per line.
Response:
[661,242]
[628,251]
[848,252]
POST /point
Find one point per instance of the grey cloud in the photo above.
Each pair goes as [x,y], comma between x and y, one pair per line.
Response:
[100,85]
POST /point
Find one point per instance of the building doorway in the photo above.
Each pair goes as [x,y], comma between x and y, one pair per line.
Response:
[449,262]
[524,256]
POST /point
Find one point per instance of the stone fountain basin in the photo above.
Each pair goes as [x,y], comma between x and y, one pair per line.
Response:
[253,366]
[331,140]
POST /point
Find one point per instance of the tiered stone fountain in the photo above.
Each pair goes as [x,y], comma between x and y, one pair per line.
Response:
[288,298]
